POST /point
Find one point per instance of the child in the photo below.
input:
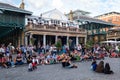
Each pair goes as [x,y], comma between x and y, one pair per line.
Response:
[35,62]
[94,65]
[30,67]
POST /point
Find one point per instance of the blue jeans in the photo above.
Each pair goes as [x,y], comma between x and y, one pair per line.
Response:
[19,63]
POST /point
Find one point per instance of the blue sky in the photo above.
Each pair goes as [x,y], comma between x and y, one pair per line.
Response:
[95,7]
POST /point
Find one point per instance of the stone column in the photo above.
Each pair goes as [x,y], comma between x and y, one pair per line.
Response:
[30,42]
[67,40]
[77,40]
[85,39]
[23,38]
[44,40]
[56,38]
[107,39]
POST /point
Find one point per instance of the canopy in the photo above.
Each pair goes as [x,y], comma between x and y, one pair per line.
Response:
[112,42]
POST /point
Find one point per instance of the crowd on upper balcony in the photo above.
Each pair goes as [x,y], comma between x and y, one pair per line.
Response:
[54,22]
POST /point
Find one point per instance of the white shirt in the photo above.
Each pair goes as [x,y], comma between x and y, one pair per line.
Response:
[2,50]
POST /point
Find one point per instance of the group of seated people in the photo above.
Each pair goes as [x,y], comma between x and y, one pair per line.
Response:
[77,56]
[47,58]
[100,68]
[114,55]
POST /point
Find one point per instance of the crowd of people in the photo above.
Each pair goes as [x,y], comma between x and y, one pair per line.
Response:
[11,56]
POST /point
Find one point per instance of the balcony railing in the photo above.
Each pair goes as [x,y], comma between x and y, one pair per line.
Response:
[114,34]
[95,32]
[53,28]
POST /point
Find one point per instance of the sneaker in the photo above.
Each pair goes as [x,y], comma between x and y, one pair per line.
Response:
[13,66]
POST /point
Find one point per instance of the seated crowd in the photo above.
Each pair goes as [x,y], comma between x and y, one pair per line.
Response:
[34,57]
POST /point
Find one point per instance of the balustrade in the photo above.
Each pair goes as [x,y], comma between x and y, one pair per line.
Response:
[45,27]
[115,34]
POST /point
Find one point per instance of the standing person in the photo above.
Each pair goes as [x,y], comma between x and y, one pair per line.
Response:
[79,47]
[100,67]
[23,51]
[30,49]
[107,69]
[2,49]
[11,48]
[39,49]
[47,48]
[83,50]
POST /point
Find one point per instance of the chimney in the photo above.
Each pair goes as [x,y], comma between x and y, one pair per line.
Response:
[22,5]
[71,15]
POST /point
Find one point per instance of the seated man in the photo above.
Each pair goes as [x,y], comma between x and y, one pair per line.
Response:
[67,63]
[18,60]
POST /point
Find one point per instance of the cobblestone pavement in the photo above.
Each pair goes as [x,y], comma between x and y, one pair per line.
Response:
[56,72]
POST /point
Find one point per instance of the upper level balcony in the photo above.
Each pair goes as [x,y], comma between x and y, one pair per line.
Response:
[94,32]
[53,28]
[48,25]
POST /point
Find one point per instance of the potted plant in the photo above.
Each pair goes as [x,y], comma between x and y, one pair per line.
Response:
[58,45]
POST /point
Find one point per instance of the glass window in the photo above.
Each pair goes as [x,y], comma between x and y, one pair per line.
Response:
[110,20]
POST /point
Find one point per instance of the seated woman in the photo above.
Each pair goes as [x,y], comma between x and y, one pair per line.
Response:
[18,60]
[3,62]
[94,65]
[100,67]
[107,69]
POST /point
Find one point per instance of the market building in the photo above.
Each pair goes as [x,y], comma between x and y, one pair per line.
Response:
[12,23]
[113,17]
[51,26]
[96,29]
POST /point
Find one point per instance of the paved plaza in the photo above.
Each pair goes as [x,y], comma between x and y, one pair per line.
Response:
[56,72]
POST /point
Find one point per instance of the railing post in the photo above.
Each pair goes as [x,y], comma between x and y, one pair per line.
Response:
[44,26]
[56,28]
